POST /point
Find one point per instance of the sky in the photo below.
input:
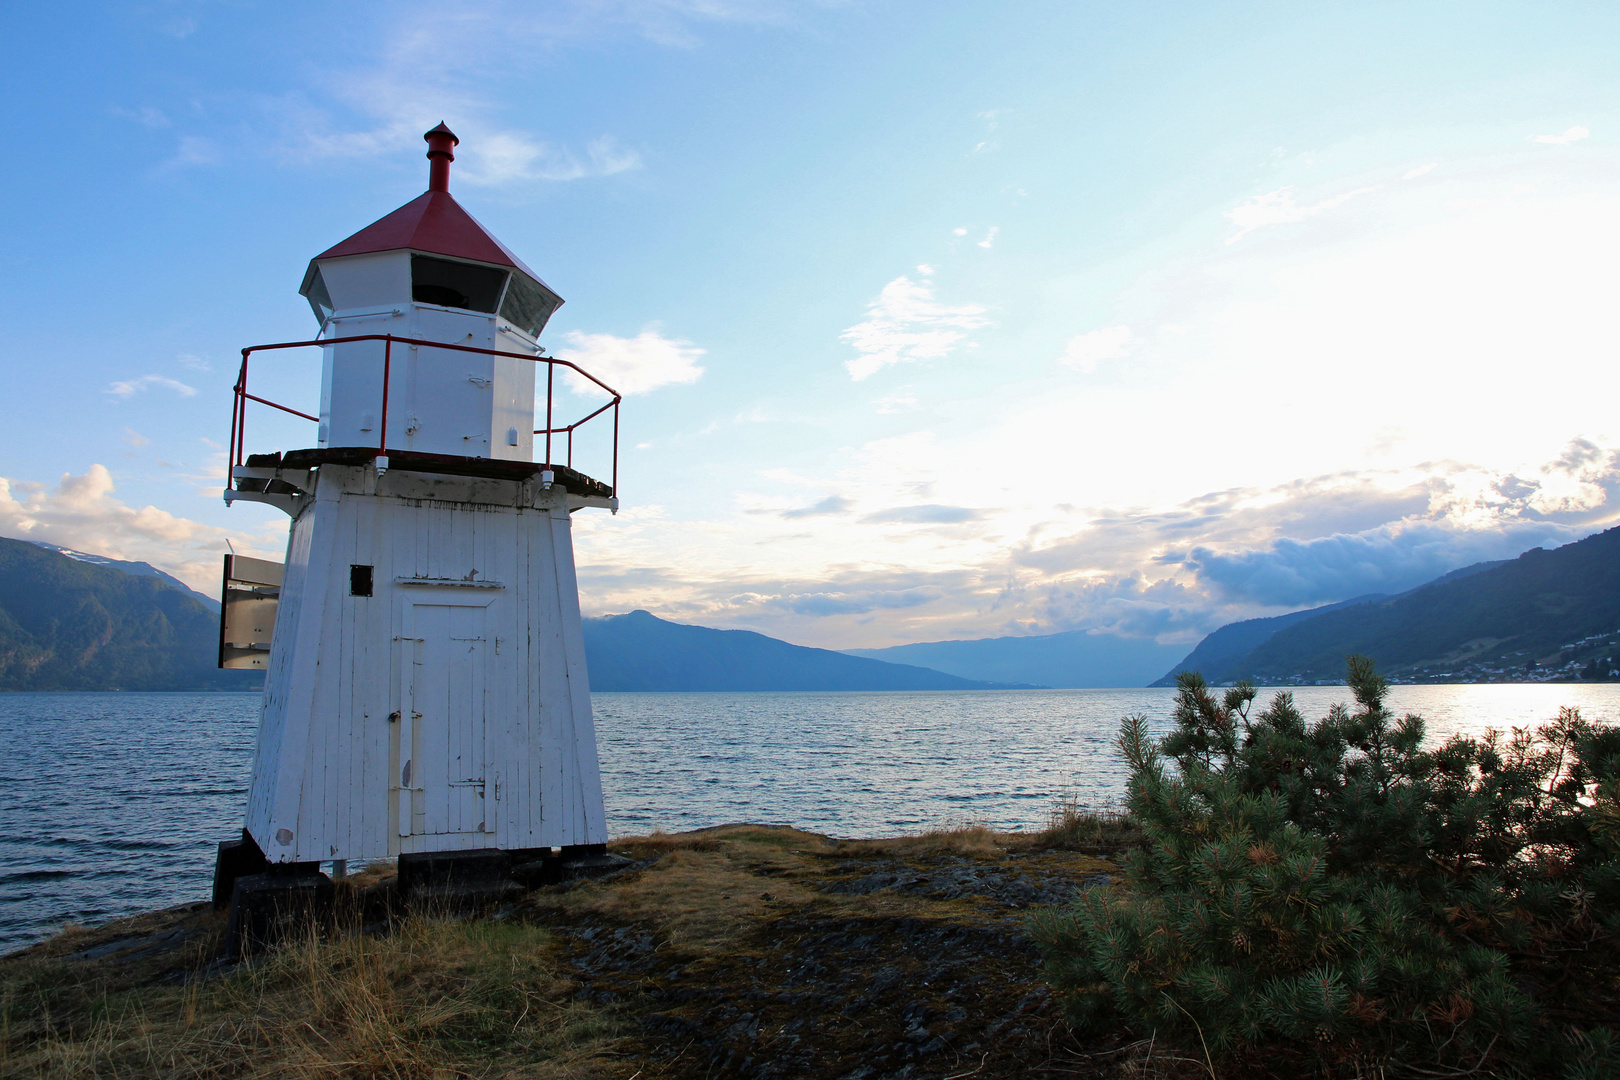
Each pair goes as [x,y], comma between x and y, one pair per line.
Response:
[934,320]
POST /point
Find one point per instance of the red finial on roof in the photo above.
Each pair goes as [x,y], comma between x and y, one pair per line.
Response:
[441,143]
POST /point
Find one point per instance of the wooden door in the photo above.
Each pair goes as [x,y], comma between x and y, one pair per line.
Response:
[444,700]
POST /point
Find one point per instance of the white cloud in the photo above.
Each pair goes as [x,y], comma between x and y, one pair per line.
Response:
[508,157]
[134,386]
[135,439]
[431,62]
[1086,351]
[990,237]
[81,512]
[195,363]
[1278,208]
[958,231]
[906,324]
[1563,138]
[147,115]
[1421,170]
[194,150]
[902,400]
[1274,367]
[630,365]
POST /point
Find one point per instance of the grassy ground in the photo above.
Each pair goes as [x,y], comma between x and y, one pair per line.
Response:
[737,951]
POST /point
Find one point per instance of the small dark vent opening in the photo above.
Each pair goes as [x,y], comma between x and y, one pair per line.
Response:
[359,581]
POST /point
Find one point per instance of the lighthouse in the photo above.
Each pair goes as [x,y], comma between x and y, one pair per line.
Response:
[425,692]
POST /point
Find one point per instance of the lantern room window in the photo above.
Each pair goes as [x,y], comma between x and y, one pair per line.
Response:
[528,304]
[456,284]
[320,301]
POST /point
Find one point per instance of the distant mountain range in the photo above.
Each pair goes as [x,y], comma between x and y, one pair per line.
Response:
[640,651]
[1545,615]
[68,622]
[73,621]
[1074,659]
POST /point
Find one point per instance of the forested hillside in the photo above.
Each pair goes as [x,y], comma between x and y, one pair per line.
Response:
[1546,614]
[72,625]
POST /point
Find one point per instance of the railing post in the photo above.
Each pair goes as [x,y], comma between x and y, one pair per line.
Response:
[616,447]
[551,376]
[388,359]
[241,408]
[236,405]
[570,446]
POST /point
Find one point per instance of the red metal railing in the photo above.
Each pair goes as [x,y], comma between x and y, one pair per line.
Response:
[240,397]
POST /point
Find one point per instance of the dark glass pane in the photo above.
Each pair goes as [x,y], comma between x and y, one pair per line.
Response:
[529,304]
[455,284]
[320,301]
[360,580]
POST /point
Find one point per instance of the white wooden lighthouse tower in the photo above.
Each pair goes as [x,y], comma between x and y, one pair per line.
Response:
[425,684]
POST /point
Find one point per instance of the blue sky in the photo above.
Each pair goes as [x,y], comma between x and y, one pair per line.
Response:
[941,319]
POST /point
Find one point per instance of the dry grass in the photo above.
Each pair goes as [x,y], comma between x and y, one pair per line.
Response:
[705,889]
[431,1000]
[1072,827]
[972,841]
[722,916]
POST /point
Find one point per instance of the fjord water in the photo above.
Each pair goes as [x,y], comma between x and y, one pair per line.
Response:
[112,803]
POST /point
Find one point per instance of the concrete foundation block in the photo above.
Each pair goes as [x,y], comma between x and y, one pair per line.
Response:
[277,906]
[236,859]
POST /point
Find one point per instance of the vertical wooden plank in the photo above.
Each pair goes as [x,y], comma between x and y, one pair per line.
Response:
[554,702]
[368,799]
[290,812]
[269,748]
[409,653]
[342,722]
[587,786]
[521,809]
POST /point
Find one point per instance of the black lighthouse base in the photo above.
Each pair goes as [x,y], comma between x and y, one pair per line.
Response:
[271,903]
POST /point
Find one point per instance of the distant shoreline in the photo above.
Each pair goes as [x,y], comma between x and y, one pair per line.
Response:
[968,690]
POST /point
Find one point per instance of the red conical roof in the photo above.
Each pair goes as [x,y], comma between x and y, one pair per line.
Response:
[434,224]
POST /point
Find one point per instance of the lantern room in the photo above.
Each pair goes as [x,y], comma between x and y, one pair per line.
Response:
[429,271]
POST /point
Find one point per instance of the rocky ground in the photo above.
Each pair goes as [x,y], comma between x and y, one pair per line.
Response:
[741,951]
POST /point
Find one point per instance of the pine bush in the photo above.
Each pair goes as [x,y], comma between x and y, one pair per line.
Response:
[1333,897]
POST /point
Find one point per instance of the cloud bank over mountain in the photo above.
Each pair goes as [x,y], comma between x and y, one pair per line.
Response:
[1173,573]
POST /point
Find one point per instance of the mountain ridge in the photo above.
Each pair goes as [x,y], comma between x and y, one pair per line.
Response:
[1544,615]
[1072,659]
[639,652]
[73,624]
[135,569]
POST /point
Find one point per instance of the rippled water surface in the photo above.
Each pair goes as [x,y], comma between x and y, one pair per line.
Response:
[112,803]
